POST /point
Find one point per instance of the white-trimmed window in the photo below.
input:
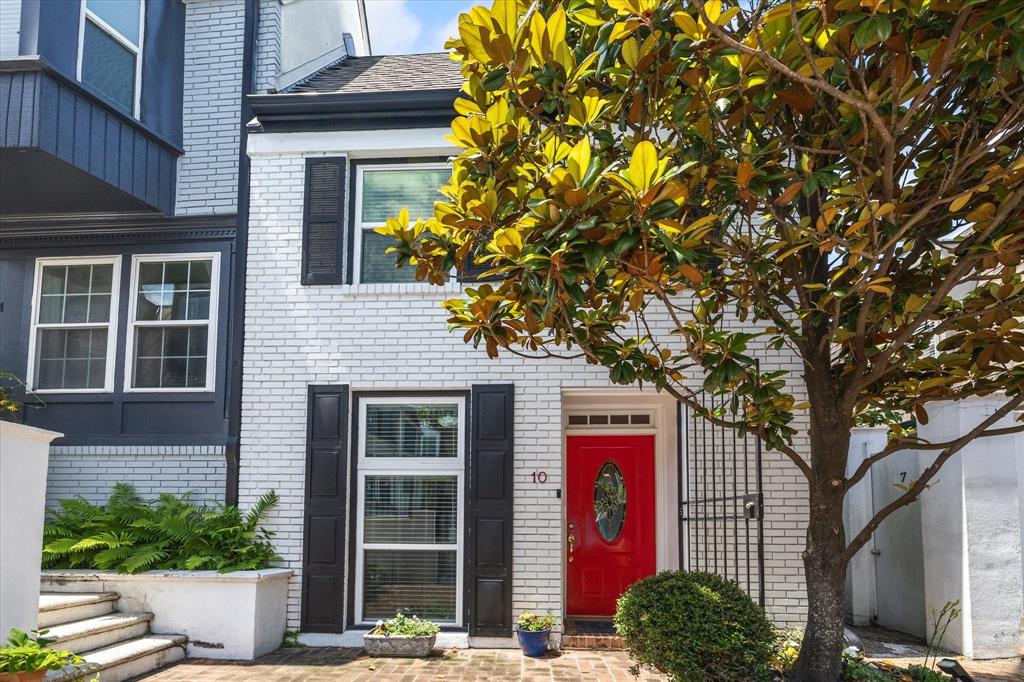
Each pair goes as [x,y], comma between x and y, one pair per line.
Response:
[74,324]
[382,190]
[110,50]
[172,322]
[410,508]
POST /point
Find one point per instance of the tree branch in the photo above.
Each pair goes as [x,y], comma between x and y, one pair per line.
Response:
[926,476]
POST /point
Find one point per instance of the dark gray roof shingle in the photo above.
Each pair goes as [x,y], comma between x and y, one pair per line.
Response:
[385,73]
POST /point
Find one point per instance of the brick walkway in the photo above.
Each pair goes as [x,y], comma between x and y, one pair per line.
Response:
[314,664]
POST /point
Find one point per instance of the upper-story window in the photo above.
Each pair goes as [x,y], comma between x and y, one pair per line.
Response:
[381,192]
[73,334]
[110,50]
[172,323]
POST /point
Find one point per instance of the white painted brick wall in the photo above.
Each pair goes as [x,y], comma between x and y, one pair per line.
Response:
[395,337]
[90,472]
[268,46]
[10,28]
[208,172]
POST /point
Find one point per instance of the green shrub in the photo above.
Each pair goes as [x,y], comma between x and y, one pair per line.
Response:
[531,622]
[696,627]
[405,626]
[26,653]
[130,534]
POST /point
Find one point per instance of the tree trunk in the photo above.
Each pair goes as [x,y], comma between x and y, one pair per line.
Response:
[824,570]
[821,652]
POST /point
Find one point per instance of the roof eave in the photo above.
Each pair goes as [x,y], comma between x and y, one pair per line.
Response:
[288,112]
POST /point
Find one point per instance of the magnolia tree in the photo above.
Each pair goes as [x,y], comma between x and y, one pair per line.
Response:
[843,178]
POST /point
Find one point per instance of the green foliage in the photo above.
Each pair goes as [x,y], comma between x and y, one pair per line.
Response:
[787,649]
[26,653]
[129,534]
[14,395]
[290,640]
[531,622]
[405,626]
[855,667]
[941,620]
[920,673]
[696,626]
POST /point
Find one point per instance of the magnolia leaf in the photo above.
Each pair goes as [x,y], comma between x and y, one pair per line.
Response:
[744,173]
[789,193]
[630,52]
[579,160]
[691,273]
[506,14]
[687,25]
[643,166]
[874,30]
[960,201]
[713,9]
[823,64]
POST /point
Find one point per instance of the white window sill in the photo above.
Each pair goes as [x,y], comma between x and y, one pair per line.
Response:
[419,289]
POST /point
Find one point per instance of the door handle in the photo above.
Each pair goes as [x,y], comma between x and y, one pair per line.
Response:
[572,542]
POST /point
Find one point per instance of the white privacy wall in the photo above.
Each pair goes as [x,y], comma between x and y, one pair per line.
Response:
[395,337]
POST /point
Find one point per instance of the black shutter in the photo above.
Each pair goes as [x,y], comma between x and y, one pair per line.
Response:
[323,558]
[323,221]
[489,555]
[472,271]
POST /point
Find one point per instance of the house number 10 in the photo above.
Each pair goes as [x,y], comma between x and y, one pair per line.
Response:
[540,476]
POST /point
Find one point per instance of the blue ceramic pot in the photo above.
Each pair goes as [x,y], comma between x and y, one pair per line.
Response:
[533,643]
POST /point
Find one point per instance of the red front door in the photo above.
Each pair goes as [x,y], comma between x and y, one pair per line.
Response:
[609,518]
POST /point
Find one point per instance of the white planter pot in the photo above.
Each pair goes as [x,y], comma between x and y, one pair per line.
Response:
[238,615]
[24,455]
[399,645]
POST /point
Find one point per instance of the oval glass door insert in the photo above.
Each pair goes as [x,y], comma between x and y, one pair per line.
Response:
[609,501]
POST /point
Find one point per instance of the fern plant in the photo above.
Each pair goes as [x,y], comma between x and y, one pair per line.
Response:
[130,534]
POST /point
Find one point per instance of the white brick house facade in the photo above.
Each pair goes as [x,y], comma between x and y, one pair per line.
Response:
[394,337]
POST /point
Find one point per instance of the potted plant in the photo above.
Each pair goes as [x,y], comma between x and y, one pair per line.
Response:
[401,636]
[534,632]
[25,658]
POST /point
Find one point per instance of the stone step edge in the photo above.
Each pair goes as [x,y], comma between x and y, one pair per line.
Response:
[157,643]
[84,599]
[115,621]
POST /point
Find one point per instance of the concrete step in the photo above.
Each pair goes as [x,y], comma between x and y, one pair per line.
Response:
[57,608]
[98,632]
[125,660]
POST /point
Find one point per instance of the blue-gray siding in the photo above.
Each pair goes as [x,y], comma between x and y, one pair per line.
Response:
[117,417]
[40,110]
[49,29]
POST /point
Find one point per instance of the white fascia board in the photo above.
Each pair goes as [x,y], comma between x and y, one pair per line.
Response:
[355,143]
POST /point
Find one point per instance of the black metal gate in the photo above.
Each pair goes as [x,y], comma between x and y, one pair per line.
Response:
[721,505]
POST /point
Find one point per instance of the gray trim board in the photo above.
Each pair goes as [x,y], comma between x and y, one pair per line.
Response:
[365,111]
